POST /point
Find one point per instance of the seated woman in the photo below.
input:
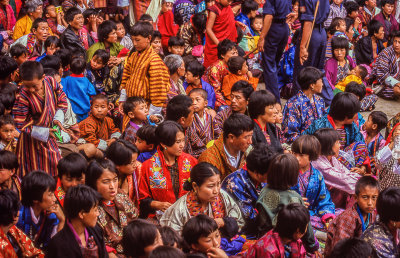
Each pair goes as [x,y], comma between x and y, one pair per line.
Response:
[383,235]
[262,110]
[205,197]
[192,32]
[338,178]
[306,106]
[176,68]
[387,18]
[367,48]
[116,210]
[164,174]
[14,242]
[34,10]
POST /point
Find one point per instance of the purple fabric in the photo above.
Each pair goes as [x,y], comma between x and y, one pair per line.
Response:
[331,67]
[394,25]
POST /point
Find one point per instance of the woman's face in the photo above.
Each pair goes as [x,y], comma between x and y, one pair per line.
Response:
[157,242]
[381,33]
[229,54]
[77,22]
[42,31]
[336,148]
[90,218]
[181,70]
[112,37]
[340,54]
[269,115]
[37,13]
[107,185]
[205,243]
[209,190]
[177,148]
[129,168]
[156,44]
[48,200]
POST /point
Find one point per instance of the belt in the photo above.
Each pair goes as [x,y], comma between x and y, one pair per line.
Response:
[275,20]
[318,26]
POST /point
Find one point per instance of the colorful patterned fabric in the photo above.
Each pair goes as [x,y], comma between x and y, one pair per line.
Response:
[368,103]
[59,193]
[22,242]
[195,207]
[219,120]
[214,75]
[231,79]
[376,144]
[7,17]
[15,185]
[335,11]
[191,37]
[381,239]
[387,65]
[200,133]
[34,110]
[130,132]
[366,16]
[299,113]
[360,155]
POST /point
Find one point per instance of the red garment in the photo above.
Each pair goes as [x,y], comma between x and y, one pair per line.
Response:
[7,17]
[167,27]
[22,240]
[224,28]
[389,138]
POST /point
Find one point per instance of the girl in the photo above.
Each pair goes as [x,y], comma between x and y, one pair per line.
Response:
[336,29]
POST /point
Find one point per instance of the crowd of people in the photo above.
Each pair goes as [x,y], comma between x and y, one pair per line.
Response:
[158,128]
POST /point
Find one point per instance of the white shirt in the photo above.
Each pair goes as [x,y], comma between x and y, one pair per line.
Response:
[233,161]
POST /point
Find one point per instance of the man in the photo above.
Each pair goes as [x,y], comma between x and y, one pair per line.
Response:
[368,12]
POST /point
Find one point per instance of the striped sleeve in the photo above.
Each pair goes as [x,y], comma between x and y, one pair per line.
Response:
[159,82]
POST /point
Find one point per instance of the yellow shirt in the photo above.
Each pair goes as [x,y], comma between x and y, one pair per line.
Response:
[349,78]
[23,27]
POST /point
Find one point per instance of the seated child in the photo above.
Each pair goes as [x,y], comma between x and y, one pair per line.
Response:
[55,19]
[65,56]
[8,176]
[176,45]
[98,128]
[81,235]
[71,172]
[170,237]
[136,109]
[19,53]
[292,224]
[311,184]
[358,74]
[352,247]
[156,43]
[7,133]
[8,95]
[8,70]
[39,217]
[122,38]
[278,123]
[336,29]
[78,89]
[238,71]
[97,69]
[51,45]
[231,242]
[200,132]
[146,142]
[257,24]
[194,72]
[354,220]
[359,91]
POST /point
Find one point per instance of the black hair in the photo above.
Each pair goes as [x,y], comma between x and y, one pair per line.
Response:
[147,133]
[166,132]
[201,91]
[357,89]
[71,13]
[52,40]
[224,46]
[196,68]
[73,165]
[78,65]
[87,13]
[137,235]
[143,29]
[9,207]
[120,152]
[248,6]
[283,172]
[131,103]
[80,198]
[51,72]
[2,109]
[259,158]
[364,182]
[352,248]
[36,22]
[351,6]
[18,50]
[235,64]
[178,107]
[65,56]
[258,101]
[243,87]
[103,55]
[8,96]
[388,205]
[340,43]
[395,34]
[170,237]
[344,105]
[199,174]
[236,124]
[176,41]
[327,138]
[105,29]
[307,76]
[7,66]
[166,252]
[8,160]
[291,219]
[6,119]
[34,185]
[99,97]
[335,23]
[199,21]
[197,227]
[197,254]
[307,144]
[156,34]
[363,72]
[96,169]
[31,70]
[373,27]
[145,17]
[385,2]
[380,119]
[349,25]
[51,62]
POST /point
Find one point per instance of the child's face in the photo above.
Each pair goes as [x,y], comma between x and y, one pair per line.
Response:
[388,9]
[303,159]
[48,200]
[107,185]
[205,243]
[21,59]
[366,199]
[245,69]
[140,42]
[50,50]
[51,12]
[190,78]
[33,86]
[177,50]
[129,168]
[336,148]
[340,54]
[99,108]
[96,63]
[369,125]
[279,115]
[5,175]
[341,27]
[77,22]
[120,30]
[318,86]
[156,44]
[199,103]
[338,2]
[370,3]
[353,14]
[139,113]
[257,24]
[143,146]
[90,218]
[67,181]
[157,242]
[7,132]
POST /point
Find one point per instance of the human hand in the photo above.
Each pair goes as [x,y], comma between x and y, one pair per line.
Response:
[121,108]
[307,204]
[303,55]
[56,209]
[291,17]
[162,206]
[211,112]
[92,19]
[361,170]
[154,119]
[216,252]
[51,133]
[260,44]
[110,141]
[58,123]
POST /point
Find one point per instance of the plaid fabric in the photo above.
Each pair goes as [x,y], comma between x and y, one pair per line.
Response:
[368,103]
[219,120]
[360,153]
[199,134]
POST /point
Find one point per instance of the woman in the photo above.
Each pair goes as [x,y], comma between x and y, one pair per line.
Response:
[193,32]
[176,68]
[306,106]
[205,197]
[386,17]
[164,174]
[115,208]
[7,18]
[383,235]
[34,10]
[368,48]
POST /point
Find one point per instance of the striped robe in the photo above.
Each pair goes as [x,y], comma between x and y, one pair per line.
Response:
[93,130]
[387,65]
[198,135]
[29,110]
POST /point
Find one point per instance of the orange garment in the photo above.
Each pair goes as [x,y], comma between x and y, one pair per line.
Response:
[231,79]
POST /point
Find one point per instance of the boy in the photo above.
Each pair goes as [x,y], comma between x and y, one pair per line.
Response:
[146,142]
[51,45]
[176,45]
[7,133]
[122,38]
[249,11]
[8,70]
[257,24]
[55,19]
[136,109]
[354,220]
[39,217]
[65,56]
[40,99]
[78,89]
[193,76]
[8,176]
[200,132]
[71,172]
[97,70]
[19,53]
[238,71]
[98,128]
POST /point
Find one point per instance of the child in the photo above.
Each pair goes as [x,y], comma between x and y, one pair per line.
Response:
[231,242]
[39,101]
[78,89]
[358,74]
[249,11]
[55,19]
[8,96]
[39,217]
[51,45]
[311,185]
[156,43]
[19,53]
[238,71]
[257,24]
[193,76]
[336,9]
[71,172]
[359,91]
[122,38]
[284,241]
[146,142]
[278,123]
[377,121]
[354,220]
[136,109]
[166,23]
[81,233]
[98,128]
[283,173]
[200,132]
[97,69]
[336,29]
[176,45]
[65,56]
[352,9]
[8,70]
[7,134]
[170,237]
[8,169]
[352,247]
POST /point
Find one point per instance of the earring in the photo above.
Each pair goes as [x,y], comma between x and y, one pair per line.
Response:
[165,147]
